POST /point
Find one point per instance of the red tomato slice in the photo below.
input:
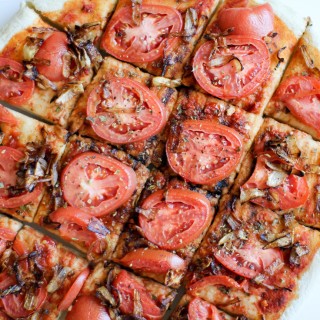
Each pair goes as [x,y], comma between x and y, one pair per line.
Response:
[205,152]
[212,281]
[249,261]
[292,193]
[74,225]
[13,303]
[298,87]
[53,49]
[199,309]
[233,70]
[177,217]
[301,95]
[6,116]
[88,308]
[125,285]
[124,111]
[14,87]
[74,290]
[97,184]
[7,234]
[153,260]
[257,21]
[9,158]
[144,42]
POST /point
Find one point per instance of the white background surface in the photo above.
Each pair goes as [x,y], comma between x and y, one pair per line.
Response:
[309,309]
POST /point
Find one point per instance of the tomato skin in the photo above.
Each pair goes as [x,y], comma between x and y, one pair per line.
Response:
[114,184]
[258,258]
[13,303]
[225,81]
[155,18]
[6,116]
[74,290]
[298,87]
[212,281]
[125,284]
[15,92]
[206,147]
[153,260]
[88,308]
[292,193]
[53,49]
[199,309]
[9,158]
[301,95]
[181,216]
[257,21]
[136,124]
[74,223]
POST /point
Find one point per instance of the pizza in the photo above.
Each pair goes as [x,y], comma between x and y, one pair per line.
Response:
[296,100]
[44,70]
[126,108]
[39,278]
[170,150]
[30,150]
[244,50]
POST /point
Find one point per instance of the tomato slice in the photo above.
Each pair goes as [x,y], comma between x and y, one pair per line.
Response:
[153,260]
[199,309]
[248,261]
[88,308]
[144,41]
[97,184]
[125,285]
[50,55]
[256,21]
[14,303]
[9,158]
[232,70]
[292,193]
[212,281]
[74,290]
[301,95]
[14,87]
[177,217]
[124,111]
[6,116]
[74,225]
[204,152]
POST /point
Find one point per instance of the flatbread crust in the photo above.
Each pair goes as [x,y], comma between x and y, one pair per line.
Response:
[72,13]
[23,19]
